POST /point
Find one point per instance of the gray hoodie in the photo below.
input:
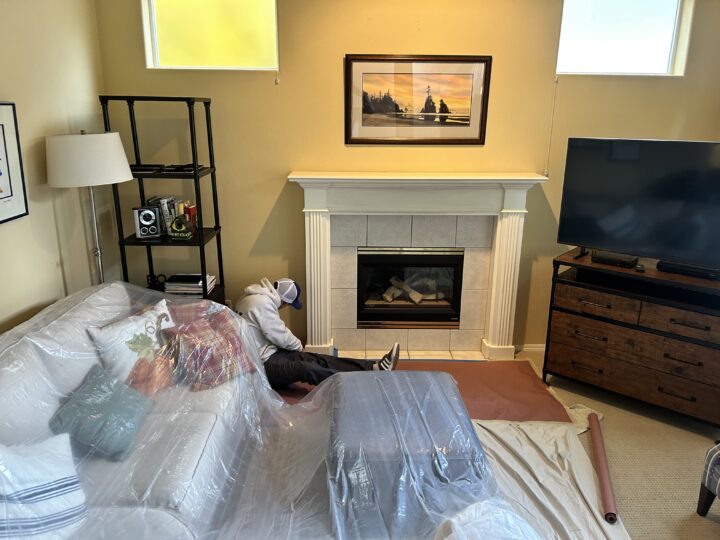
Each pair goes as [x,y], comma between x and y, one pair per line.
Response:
[259,307]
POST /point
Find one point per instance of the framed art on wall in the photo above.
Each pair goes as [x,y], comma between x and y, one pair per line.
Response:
[13,199]
[416,99]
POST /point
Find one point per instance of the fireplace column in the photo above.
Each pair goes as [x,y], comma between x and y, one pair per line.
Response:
[498,341]
[317,272]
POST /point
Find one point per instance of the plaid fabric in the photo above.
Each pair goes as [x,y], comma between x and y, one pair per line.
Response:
[210,351]
[711,475]
[189,312]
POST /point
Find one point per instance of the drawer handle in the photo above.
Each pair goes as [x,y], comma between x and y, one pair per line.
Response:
[690,362]
[594,304]
[701,327]
[594,338]
[586,367]
[680,396]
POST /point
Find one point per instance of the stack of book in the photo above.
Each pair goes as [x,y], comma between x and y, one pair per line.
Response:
[188,284]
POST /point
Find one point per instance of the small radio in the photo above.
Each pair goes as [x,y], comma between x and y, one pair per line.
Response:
[147,222]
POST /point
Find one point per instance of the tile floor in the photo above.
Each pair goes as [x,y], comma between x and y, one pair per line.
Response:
[416,355]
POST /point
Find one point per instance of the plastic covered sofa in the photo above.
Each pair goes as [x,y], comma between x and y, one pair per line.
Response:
[125,413]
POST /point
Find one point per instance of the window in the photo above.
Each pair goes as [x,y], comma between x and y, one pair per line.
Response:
[211,34]
[647,37]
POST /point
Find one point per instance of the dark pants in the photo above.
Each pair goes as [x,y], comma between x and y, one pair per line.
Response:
[286,367]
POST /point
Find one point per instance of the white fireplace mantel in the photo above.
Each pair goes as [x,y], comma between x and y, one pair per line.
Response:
[403,193]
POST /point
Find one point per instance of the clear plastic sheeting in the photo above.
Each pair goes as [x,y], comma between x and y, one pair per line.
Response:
[162,405]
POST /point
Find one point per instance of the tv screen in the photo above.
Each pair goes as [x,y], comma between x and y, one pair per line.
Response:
[656,199]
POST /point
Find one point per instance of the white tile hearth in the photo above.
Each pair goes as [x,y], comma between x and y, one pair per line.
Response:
[389,231]
[377,355]
[472,310]
[475,231]
[468,355]
[377,339]
[348,230]
[466,340]
[355,354]
[428,340]
[433,231]
[343,267]
[342,317]
[349,338]
[476,268]
[430,355]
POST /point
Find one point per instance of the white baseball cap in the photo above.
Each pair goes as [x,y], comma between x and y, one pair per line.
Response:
[289,292]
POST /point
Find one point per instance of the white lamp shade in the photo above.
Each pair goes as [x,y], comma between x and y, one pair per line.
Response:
[86,160]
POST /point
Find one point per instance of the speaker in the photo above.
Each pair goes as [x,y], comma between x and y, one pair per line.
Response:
[147,222]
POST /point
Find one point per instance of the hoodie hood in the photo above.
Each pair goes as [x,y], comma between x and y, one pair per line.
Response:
[265,287]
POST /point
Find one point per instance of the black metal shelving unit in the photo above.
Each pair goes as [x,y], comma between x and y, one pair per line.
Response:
[190,171]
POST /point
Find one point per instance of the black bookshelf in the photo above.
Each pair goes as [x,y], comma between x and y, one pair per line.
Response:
[189,171]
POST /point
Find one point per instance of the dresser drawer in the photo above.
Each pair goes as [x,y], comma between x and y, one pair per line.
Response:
[694,362]
[681,322]
[682,395]
[580,332]
[598,303]
[575,363]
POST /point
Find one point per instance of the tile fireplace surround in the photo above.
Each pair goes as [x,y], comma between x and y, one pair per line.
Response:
[480,212]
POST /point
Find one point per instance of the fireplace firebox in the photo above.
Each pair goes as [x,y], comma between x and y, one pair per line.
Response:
[409,287]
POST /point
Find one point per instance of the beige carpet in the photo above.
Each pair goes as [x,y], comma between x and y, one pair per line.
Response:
[656,459]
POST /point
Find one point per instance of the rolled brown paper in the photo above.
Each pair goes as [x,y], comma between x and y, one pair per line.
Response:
[601,468]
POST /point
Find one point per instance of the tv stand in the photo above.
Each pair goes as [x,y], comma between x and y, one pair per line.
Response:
[640,332]
[615,259]
[687,270]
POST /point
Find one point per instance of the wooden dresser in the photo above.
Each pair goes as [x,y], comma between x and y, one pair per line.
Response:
[651,335]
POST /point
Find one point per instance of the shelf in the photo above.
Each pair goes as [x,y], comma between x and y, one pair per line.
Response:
[106,98]
[156,170]
[216,295]
[651,273]
[209,234]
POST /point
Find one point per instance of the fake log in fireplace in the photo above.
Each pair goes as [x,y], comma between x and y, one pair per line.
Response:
[409,287]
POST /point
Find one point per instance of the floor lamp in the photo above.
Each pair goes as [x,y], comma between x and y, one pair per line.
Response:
[87,160]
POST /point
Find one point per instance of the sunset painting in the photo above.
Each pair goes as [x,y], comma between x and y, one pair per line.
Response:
[420,99]
[417,99]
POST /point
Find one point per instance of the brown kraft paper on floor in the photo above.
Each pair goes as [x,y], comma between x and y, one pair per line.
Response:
[508,390]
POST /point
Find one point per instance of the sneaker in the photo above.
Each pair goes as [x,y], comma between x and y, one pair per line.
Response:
[390,360]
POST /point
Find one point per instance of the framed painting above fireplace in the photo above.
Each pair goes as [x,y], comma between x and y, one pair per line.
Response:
[416,99]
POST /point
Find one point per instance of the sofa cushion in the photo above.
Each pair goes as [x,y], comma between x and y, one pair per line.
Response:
[40,493]
[125,342]
[60,332]
[179,399]
[210,351]
[27,396]
[102,416]
[112,523]
[161,470]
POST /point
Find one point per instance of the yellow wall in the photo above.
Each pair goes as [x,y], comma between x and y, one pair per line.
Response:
[51,70]
[263,130]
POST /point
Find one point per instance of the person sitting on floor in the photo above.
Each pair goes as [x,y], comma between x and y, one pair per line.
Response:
[281,352]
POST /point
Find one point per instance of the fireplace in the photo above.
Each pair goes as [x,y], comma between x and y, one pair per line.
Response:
[481,212]
[409,287]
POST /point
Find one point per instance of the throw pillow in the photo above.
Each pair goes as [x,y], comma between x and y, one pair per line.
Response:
[102,416]
[149,377]
[123,343]
[40,493]
[187,312]
[210,351]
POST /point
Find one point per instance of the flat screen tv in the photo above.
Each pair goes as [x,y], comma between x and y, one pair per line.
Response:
[648,198]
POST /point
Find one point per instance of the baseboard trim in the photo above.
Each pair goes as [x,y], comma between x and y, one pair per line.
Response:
[532,347]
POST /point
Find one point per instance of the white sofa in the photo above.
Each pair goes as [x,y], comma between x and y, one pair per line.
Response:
[186,455]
